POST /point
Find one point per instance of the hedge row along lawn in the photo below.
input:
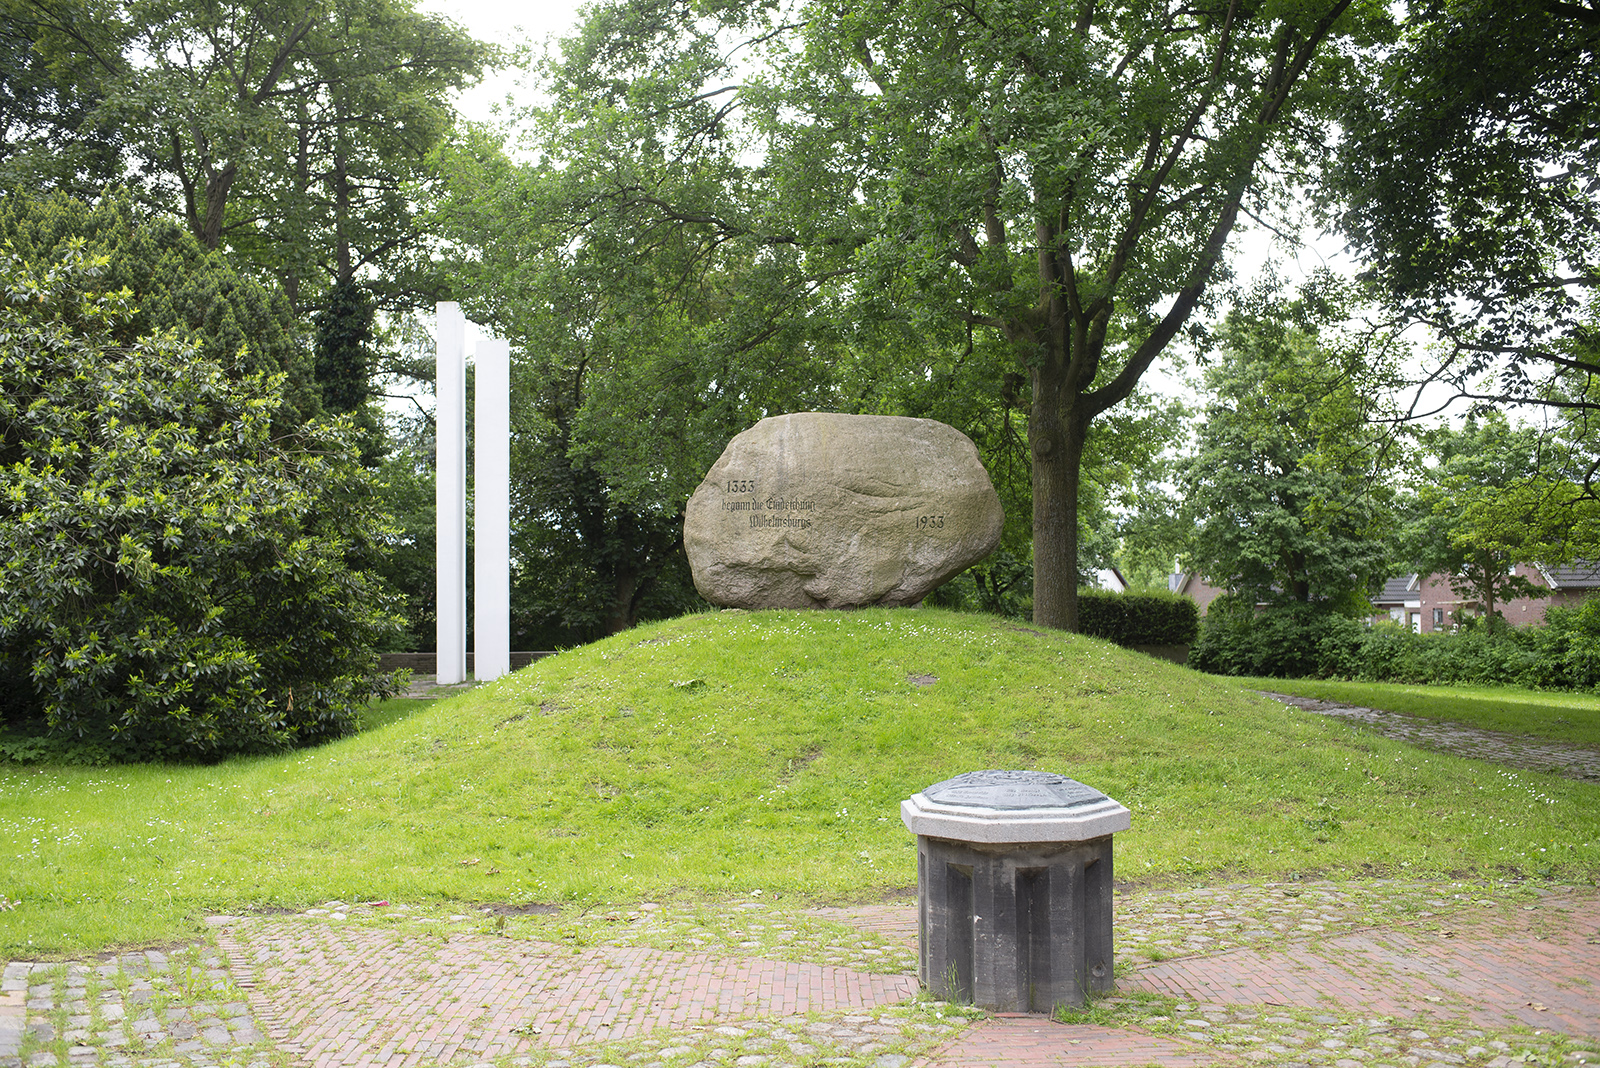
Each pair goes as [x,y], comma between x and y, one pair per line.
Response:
[725,753]
[1562,717]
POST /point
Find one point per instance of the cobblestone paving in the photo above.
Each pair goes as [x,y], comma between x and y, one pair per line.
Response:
[153,1009]
[1477,974]
[1497,747]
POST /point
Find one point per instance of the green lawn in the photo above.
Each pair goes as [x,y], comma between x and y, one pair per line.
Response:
[1566,717]
[732,752]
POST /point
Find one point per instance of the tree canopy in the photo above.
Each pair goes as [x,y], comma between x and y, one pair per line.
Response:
[1467,181]
[935,177]
[1291,490]
[175,285]
[1497,495]
[290,133]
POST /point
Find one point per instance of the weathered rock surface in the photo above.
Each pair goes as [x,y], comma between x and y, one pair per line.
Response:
[816,510]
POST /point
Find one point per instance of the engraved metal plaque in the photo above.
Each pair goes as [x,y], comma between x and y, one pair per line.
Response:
[1012,790]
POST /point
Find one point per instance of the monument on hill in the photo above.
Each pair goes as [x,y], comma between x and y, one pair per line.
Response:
[818,510]
[491,499]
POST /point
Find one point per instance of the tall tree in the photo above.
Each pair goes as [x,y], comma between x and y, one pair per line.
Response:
[48,139]
[643,343]
[290,132]
[1290,492]
[177,286]
[1496,496]
[1467,178]
[1066,178]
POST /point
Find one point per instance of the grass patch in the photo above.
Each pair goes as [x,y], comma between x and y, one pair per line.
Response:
[714,755]
[382,713]
[1564,717]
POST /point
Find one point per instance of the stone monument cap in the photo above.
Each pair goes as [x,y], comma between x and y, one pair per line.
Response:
[1013,806]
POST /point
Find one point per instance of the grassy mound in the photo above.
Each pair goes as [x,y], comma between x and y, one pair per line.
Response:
[735,752]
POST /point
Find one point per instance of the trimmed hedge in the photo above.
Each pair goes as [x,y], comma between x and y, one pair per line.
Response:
[1138,618]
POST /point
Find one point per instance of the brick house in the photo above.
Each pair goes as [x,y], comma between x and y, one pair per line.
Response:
[1427,603]
[1195,588]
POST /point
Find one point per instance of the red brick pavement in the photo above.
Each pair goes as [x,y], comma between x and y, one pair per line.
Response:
[1036,1042]
[347,996]
[1540,969]
[355,997]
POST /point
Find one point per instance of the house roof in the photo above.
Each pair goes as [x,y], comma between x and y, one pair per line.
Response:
[1109,578]
[1397,591]
[1578,575]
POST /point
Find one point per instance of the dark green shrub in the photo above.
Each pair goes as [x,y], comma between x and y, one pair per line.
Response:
[1287,641]
[1569,646]
[1563,654]
[176,581]
[175,286]
[1138,618]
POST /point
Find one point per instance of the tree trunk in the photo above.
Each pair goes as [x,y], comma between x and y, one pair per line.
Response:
[209,228]
[1056,436]
[624,600]
[1490,577]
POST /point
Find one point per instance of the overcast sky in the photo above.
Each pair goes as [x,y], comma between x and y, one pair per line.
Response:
[508,24]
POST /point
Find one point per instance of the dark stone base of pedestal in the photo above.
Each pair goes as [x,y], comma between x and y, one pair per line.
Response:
[1014,928]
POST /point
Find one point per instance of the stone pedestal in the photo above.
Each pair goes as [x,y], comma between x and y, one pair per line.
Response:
[1014,889]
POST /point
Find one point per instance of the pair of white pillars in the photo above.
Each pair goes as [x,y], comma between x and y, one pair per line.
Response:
[491,502]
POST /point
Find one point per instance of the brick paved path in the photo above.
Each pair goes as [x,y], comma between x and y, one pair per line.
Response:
[1497,747]
[1541,970]
[1479,976]
[359,997]
[1035,1042]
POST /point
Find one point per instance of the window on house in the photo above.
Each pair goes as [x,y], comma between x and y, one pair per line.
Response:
[1438,617]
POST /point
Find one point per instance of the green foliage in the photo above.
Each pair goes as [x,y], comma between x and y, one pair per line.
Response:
[344,360]
[292,134]
[175,286]
[1496,497]
[176,580]
[47,105]
[1289,492]
[1138,618]
[1465,180]
[1060,179]
[644,341]
[1021,204]
[404,485]
[1001,585]
[1298,642]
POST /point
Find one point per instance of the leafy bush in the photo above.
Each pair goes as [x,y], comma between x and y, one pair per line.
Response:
[1294,642]
[1290,641]
[1569,650]
[1138,618]
[175,581]
[175,284]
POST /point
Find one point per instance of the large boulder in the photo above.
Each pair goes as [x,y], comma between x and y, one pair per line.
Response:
[816,510]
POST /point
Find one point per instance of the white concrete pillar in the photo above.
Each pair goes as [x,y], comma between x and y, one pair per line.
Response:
[491,512]
[450,493]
